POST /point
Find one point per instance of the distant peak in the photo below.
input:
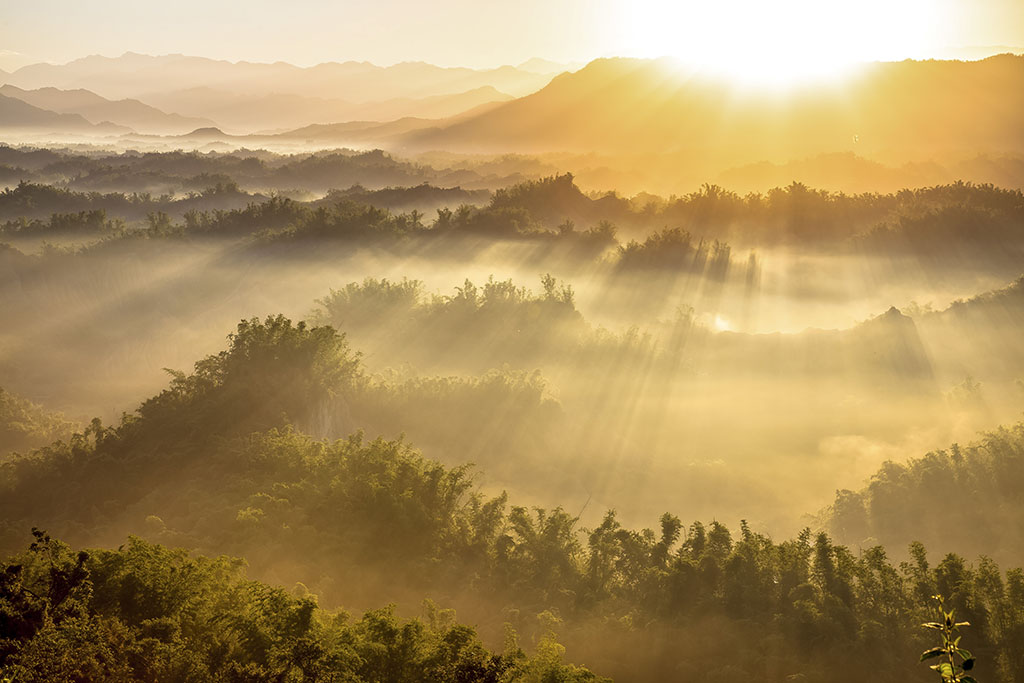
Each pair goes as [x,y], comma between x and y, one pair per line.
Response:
[206,131]
[894,316]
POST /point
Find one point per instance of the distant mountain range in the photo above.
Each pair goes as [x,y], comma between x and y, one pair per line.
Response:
[95,109]
[642,123]
[142,76]
[912,109]
[270,111]
[22,116]
[173,94]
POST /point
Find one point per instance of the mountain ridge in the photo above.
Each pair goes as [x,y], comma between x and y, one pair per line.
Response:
[130,113]
[132,76]
[621,104]
[16,114]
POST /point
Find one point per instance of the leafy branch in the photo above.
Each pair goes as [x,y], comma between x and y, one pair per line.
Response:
[950,650]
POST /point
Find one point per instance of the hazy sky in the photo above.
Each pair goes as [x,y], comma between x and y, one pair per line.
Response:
[488,33]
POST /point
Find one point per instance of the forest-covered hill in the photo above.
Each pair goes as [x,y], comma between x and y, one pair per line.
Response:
[217,462]
[602,421]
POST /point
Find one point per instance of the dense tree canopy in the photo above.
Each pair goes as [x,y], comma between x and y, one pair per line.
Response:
[196,466]
[144,612]
[718,355]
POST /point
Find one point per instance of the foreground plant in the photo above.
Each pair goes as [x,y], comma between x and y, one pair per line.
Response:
[950,650]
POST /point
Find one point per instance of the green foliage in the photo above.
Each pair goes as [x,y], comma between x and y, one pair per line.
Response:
[421,195]
[971,231]
[674,249]
[347,220]
[82,223]
[478,327]
[907,502]
[379,509]
[215,463]
[273,214]
[941,219]
[954,661]
[72,212]
[145,612]
[272,373]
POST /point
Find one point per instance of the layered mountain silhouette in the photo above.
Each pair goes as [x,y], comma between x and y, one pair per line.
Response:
[95,109]
[911,109]
[378,133]
[22,116]
[142,76]
[918,119]
[283,111]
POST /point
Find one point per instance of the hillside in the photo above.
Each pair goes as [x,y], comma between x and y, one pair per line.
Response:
[275,110]
[914,110]
[95,109]
[111,615]
[536,342]
[969,492]
[18,115]
[212,463]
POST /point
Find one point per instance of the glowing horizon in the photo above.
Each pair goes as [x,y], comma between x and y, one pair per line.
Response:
[766,42]
[786,42]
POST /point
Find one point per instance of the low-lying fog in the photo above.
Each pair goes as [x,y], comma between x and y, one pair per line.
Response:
[755,390]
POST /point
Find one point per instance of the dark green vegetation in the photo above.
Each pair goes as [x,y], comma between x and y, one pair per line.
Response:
[899,504]
[144,612]
[478,327]
[600,359]
[952,660]
[215,463]
[643,360]
[131,185]
[182,172]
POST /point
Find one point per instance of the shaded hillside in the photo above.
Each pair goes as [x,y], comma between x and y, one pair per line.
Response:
[357,132]
[18,115]
[254,170]
[390,525]
[23,206]
[251,112]
[423,197]
[145,612]
[131,113]
[977,341]
[968,495]
[912,109]
[885,351]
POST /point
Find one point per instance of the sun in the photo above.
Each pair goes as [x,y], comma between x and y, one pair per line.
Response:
[780,42]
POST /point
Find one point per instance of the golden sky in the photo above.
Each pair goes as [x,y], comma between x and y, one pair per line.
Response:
[481,33]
